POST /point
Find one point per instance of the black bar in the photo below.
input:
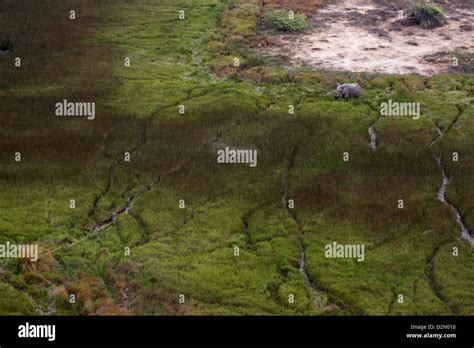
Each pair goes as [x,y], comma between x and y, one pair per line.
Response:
[347,330]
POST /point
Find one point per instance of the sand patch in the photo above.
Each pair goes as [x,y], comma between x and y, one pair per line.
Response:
[364,37]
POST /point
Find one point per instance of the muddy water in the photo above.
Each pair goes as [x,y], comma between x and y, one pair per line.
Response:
[124,299]
[284,201]
[466,234]
[302,267]
[302,258]
[109,221]
[51,309]
[441,194]
[361,36]
[373,138]
[442,189]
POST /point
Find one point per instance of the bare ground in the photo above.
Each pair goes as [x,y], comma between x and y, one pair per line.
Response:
[364,36]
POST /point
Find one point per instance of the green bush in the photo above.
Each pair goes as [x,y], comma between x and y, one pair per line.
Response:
[283,20]
[427,15]
[5,42]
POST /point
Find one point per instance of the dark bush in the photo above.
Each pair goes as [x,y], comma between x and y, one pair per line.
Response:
[5,42]
[427,15]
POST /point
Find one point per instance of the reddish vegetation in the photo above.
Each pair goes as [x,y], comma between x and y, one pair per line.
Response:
[44,263]
[306,6]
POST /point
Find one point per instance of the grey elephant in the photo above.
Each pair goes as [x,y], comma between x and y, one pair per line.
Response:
[348,90]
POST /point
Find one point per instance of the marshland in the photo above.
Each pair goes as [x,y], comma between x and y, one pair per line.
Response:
[132,212]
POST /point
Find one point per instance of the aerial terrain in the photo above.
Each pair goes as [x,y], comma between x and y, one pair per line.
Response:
[134,213]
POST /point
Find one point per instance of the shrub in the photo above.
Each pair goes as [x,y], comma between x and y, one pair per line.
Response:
[427,15]
[283,20]
[5,42]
